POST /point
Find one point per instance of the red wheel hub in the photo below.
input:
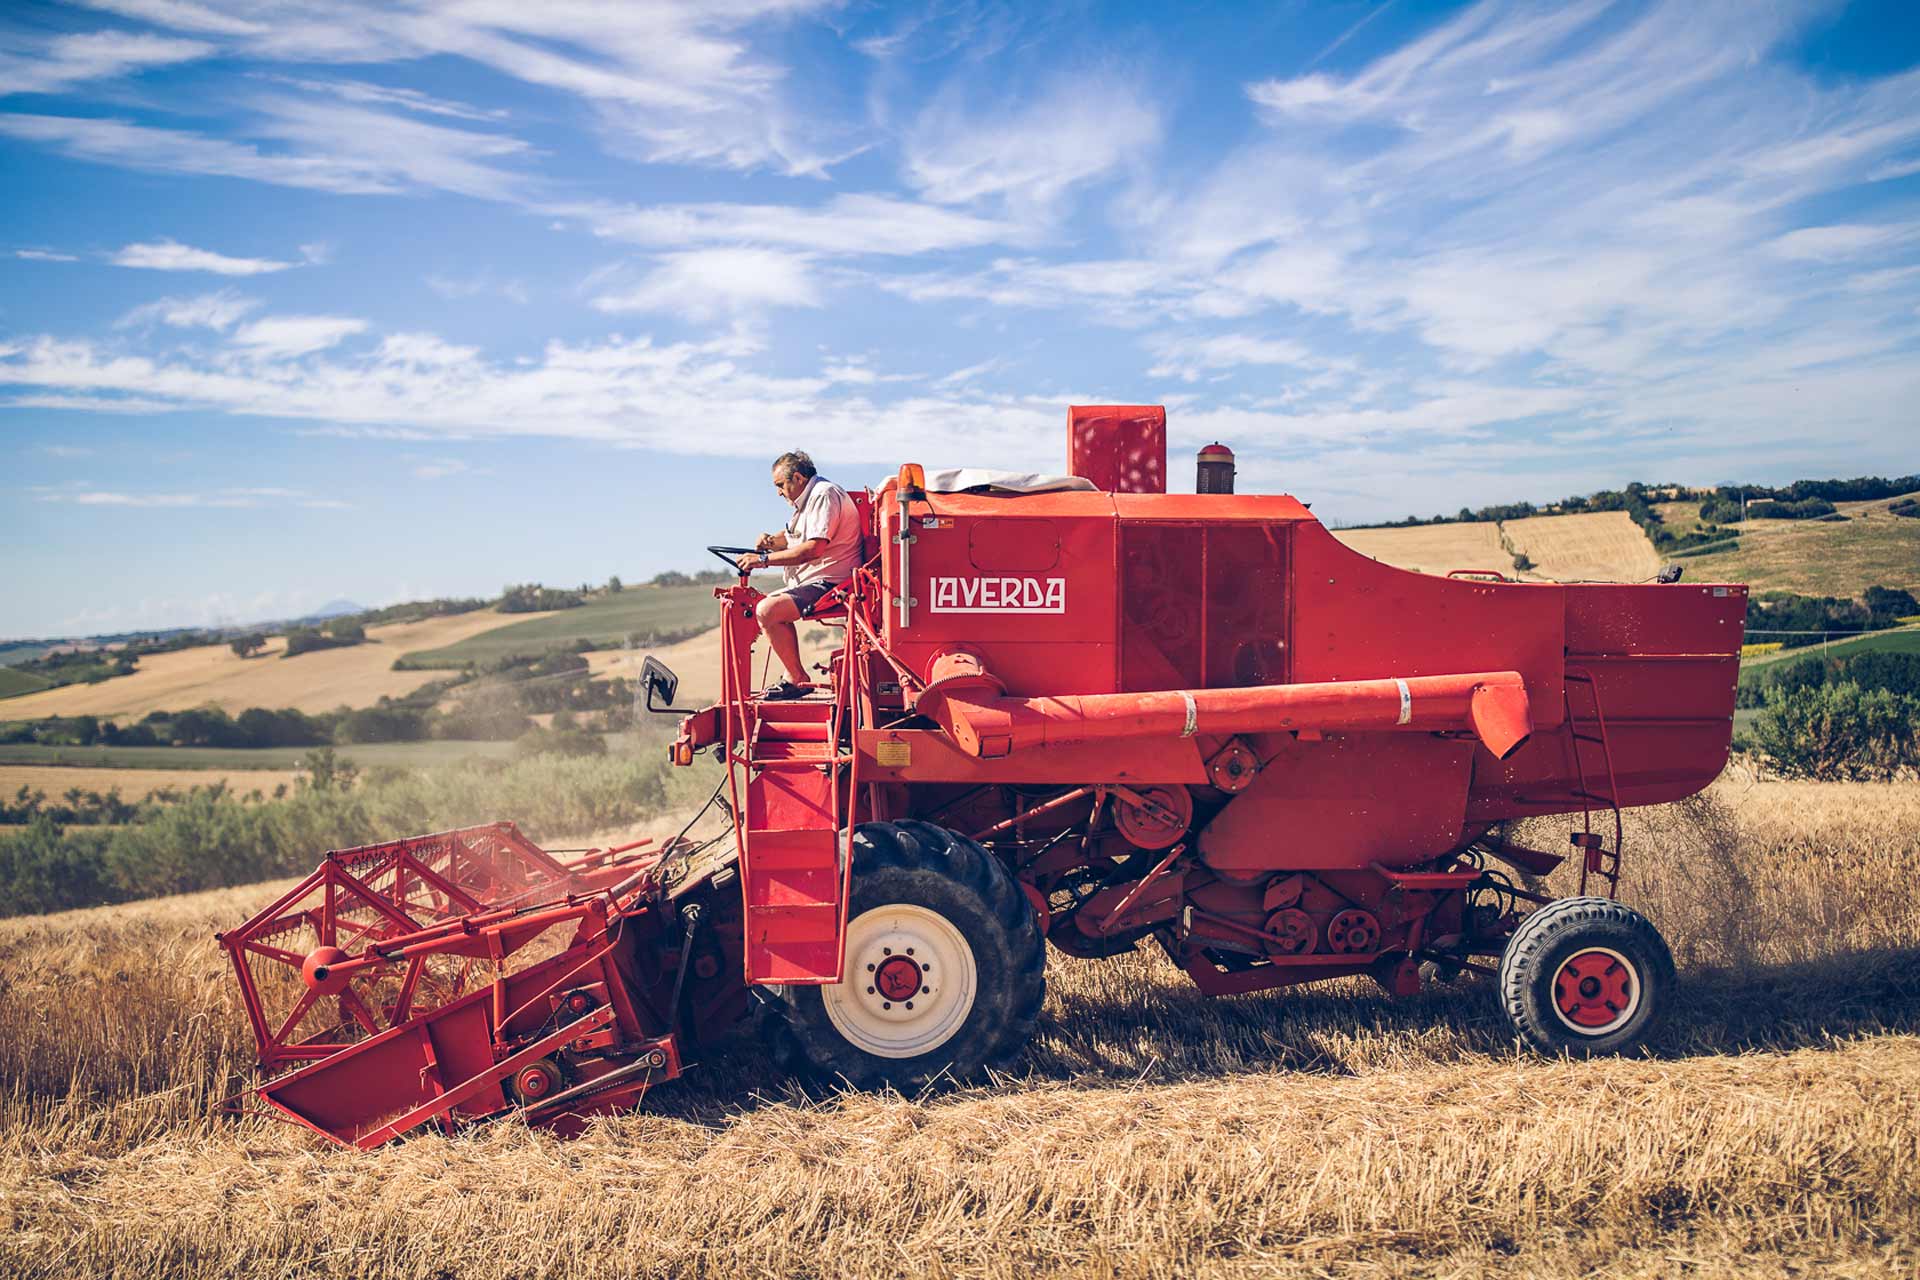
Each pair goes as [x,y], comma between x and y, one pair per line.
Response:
[1593,988]
[897,978]
[533,1082]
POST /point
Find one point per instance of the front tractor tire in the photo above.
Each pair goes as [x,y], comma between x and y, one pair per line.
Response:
[945,969]
[1586,977]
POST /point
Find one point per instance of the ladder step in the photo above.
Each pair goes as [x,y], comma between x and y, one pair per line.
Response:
[798,922]
[767,754]
[806,847]
[793,731]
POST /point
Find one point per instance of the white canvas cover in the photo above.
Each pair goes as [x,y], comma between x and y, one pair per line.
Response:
[960,479]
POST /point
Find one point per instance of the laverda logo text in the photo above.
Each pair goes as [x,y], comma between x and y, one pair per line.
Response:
[999,595]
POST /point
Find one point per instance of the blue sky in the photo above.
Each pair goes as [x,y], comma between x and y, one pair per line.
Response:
[300,300]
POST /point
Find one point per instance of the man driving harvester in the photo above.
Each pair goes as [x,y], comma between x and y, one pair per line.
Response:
[818,550]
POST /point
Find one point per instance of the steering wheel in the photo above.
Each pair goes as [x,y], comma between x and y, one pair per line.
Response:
[728,553]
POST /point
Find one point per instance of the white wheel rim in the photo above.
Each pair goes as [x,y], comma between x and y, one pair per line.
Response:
[875,1010]
[1620,1019]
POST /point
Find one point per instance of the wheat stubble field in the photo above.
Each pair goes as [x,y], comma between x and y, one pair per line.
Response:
[1775,1130]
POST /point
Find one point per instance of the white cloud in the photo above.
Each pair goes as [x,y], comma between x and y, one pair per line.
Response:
[318,146]
[680,397]
[423,350]
[441,469]
[169,255]
[206,311]
[1844,240]
[847,224]
[391,149]
[1031,157]
[675,80]
[44,255]
[65,451]
[277,337]
[380,95]
[479,285]
[217,498]
[68,60]
[1188,357]
[704,284]
[182,15]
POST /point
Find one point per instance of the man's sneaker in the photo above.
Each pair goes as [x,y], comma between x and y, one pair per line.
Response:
[786,691]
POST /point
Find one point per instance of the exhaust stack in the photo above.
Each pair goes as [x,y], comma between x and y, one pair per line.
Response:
[1216,470]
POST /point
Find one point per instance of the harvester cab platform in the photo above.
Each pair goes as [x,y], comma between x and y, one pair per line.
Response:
[1074,710]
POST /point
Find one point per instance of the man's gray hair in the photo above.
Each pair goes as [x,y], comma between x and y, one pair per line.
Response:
[796,463]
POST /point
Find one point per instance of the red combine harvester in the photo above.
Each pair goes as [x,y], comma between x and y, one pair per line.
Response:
[1077,710]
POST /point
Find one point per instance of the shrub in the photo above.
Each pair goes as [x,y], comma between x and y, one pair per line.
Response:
[1805,509]
[1889,603]
[43,869]
[531,597]
[1838,732]
[384,723]
[307,639]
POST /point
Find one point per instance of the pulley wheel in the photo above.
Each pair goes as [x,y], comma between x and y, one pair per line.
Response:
[1352,932]
[1160,822]
[1297,929]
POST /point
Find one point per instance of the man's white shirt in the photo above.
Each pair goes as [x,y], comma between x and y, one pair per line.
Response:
[823,510]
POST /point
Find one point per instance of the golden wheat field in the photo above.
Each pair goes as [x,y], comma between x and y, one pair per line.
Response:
[1433,548]
[1773,1130]
[1597,546]
[212,676]
[136,784]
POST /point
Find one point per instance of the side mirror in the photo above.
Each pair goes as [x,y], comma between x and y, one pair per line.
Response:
[659,680]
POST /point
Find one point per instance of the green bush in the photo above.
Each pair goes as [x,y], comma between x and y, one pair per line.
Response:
[1839,732]
[1805,509]
[307,639]
[42,869]
[212,838]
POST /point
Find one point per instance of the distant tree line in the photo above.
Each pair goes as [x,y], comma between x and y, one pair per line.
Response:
[1724,504]
[700,578]
[531,597]
[1782,611]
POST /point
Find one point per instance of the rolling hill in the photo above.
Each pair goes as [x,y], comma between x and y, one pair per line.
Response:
[1871,547]
[212,676]
[605,622]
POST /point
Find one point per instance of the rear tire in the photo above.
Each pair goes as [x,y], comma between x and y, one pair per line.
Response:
[945,969]
[1586,977]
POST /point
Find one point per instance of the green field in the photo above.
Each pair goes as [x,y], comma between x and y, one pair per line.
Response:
[410,755]
[1905,640]
[604,622]
[13,683]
